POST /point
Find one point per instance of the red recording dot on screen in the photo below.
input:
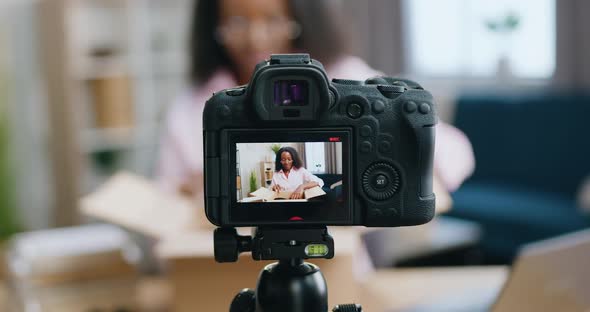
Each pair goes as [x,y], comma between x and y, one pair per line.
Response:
[296,218]
[334,139]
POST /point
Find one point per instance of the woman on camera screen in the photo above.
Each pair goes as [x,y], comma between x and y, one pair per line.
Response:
[291,176]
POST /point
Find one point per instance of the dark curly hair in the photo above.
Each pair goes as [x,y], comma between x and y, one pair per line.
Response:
[297,163]
[322,36]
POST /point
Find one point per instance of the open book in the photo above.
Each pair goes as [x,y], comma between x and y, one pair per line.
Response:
[263,194]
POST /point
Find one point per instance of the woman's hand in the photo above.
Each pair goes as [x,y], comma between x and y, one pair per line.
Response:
[298,193]
[276,188]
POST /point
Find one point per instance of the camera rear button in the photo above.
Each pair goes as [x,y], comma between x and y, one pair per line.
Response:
[376,212]
[378,107]
[410,107]
[366,147]
[354,110]
[424,108]
[384,146]
[366,131]
[390,212]
[380,181]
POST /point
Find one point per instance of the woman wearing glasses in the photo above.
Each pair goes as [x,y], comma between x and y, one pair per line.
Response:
[290,175]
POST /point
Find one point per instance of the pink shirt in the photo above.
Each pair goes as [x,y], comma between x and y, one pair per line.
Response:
[296,177]
[181,148]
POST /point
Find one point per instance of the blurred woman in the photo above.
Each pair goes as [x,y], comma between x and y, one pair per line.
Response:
[229,37]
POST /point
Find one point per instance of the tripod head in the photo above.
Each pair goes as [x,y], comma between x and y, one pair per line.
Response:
[289,285]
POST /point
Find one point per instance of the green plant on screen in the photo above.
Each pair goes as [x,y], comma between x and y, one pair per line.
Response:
[253,181]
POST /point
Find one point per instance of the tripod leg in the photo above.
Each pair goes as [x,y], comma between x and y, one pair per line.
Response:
[244,301]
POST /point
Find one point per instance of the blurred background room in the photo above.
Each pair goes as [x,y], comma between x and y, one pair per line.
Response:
[87,88]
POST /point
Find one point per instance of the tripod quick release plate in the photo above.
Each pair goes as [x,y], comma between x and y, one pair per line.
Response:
[274,244]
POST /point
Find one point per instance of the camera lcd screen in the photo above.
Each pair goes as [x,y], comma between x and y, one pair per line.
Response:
[290,93]
[291,176]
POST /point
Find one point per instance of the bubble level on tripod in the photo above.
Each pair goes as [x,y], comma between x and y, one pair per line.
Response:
[316,250]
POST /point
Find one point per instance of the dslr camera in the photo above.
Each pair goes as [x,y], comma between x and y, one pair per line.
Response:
[367,146]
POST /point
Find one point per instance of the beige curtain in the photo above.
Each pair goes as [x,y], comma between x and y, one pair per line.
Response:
[300,147]
[377,32]
[331,158]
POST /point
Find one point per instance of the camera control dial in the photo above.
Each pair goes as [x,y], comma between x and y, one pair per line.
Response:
[347,82]
[381,181]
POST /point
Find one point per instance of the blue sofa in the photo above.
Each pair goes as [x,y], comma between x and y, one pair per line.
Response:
[330,179]
[532,154]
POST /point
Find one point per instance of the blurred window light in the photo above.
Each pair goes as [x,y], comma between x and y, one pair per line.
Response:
[468,38]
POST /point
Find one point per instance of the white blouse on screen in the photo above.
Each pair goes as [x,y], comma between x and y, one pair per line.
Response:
[296,177]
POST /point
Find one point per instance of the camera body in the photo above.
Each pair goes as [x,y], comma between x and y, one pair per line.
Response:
[374,139]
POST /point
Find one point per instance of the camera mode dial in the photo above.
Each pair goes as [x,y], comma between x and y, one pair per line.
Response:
[381,181]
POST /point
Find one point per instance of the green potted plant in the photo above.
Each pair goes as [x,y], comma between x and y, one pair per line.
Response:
[504,26]
[275,148]
[253,181]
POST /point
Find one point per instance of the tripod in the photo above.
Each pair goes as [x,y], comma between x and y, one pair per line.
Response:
[289,285]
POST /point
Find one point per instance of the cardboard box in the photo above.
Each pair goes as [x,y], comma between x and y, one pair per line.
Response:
[95,295]
[198,282]
[78,268]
